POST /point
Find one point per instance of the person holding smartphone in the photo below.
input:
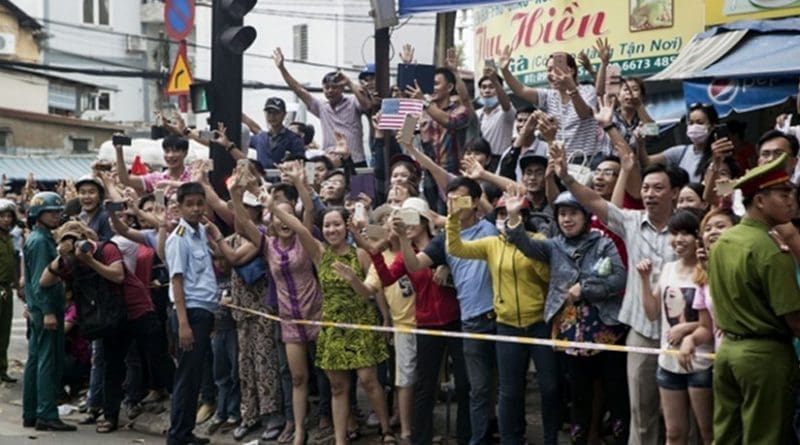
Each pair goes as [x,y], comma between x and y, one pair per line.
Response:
[570,103]
[497,114]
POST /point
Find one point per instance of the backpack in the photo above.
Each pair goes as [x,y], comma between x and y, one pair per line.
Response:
[100,303]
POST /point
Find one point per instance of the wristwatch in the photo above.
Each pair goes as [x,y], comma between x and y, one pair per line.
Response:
[571,93]
[425,104]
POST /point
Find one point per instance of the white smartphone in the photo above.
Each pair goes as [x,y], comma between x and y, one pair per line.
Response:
[159,194]
[360,212]
[409,125]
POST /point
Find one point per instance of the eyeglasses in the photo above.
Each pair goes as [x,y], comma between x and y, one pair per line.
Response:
[606,172]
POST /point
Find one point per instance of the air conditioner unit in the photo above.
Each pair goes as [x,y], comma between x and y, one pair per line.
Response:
[8,44]
[135,43]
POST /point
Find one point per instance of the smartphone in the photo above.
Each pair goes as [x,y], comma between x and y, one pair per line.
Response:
[410,217]
[376,232]
[360,212]
[209,165]
[489,63]
[560,61]
[159,194]
[462,202]
[113,206]
[310,171]
[650,129]
[613,79]
[120,140]
[409,125]
[721,131]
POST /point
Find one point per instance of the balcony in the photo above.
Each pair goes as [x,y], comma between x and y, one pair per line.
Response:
[153,12]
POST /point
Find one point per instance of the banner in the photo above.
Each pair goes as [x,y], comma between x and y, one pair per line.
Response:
[726,11]
[407,7]
[643,41]
[739,95]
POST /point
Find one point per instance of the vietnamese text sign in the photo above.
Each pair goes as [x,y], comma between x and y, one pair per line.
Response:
[644,35]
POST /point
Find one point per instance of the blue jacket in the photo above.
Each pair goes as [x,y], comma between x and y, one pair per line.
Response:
[585,259]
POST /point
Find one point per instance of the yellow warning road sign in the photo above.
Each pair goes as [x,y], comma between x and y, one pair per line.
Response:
[180,78]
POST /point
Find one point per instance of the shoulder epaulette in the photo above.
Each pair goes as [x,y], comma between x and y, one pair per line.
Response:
[181,230]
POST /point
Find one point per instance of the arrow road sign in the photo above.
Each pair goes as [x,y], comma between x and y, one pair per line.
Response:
[179,18]
[180,78]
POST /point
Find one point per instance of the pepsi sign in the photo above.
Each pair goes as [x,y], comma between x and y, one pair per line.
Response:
[739,95]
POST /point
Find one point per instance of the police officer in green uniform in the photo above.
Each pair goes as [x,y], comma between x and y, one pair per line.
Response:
[9,279]
[757,306]
[46,314]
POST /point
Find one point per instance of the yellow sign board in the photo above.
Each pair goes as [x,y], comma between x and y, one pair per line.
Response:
[726,11]
[180,78]
[644,35]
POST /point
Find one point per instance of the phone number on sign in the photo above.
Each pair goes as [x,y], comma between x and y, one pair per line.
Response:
[630,67]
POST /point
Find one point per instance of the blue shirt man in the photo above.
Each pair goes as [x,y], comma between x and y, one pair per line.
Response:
[278,141]
[193,289]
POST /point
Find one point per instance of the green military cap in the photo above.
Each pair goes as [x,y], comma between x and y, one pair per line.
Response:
[765,176]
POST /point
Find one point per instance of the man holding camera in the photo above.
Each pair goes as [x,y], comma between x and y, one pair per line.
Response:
[46,315]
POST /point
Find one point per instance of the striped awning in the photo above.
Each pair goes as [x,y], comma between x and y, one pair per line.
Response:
[699,54]
[46,168]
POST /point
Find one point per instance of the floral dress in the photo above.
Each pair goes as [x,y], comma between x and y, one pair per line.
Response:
[345,349]
[580,322]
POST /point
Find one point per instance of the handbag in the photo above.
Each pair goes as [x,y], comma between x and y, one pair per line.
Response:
[253,270]
[581,172]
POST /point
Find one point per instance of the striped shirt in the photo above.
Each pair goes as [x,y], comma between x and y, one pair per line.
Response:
[344,118]
[643,241]
[577,133]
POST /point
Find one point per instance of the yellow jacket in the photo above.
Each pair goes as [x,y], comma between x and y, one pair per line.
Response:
[520,283]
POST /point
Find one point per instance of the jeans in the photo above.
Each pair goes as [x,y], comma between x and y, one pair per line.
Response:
[515,359]
[136,376]
[430,352]
[479,358]
[189,375]
[143,331]
[226,373]
[208,392]
[94,398]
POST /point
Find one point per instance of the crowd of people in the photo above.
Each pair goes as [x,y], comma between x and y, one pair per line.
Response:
[547,221]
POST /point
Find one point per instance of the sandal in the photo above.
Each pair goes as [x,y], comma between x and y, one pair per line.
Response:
[92,417]
[388,438]
[106,426]
[354,434]
[287,435]
[322,434]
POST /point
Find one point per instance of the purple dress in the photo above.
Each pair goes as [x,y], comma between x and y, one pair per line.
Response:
[299,295]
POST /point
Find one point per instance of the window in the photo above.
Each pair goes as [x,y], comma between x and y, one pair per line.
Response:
[5,139]
[95,12]
[102,102]
[300,33]
[80,145]
[62,97]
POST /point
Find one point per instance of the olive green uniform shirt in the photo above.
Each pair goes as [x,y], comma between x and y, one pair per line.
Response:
[39,251]
[8,260]
[753,282]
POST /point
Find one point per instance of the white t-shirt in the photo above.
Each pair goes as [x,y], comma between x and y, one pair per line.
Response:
[685,157]
[677,297]
[497,127]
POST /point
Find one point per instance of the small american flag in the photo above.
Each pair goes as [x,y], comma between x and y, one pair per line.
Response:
[393,112]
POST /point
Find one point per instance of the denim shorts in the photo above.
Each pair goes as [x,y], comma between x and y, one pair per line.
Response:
[680,382]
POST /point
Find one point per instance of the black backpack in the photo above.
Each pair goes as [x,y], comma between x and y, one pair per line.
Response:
[100,303]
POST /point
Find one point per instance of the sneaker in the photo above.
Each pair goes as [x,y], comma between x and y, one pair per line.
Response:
[204,413]
[214,425]
[372,419]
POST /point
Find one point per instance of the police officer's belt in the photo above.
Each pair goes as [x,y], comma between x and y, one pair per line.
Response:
[772,337]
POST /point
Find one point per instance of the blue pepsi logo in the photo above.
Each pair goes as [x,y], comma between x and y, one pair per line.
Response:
[723,91]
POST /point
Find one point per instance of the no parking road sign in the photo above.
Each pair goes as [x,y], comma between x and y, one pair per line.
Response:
[179,18]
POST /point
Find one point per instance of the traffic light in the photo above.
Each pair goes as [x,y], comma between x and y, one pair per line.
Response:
[230,39]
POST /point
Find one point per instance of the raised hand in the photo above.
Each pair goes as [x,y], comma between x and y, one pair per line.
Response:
[415,92]
[277,57]
[584,61]
[628,161]
[603,50]
[546,125]
[605,115]
[471,168]
[219,135]
[451,60]
[345,271]
[721,148]
[645,268]
[563,80]
[505,58]
[407,54]
[514,199]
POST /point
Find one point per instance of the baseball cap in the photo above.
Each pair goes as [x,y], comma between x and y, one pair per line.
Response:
[368,70]
[275,103]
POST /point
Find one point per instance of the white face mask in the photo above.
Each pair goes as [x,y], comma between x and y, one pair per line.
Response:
[697,133]
[501,225]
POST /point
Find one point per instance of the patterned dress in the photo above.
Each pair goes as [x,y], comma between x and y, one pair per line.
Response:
[259,376]
[298,290]
[345,349]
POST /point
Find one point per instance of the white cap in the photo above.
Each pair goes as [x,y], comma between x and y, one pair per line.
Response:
[418,204]
[314,153]
[250,200]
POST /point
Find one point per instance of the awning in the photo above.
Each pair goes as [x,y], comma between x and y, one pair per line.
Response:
[407,7]
[46,168]
[699,54]
[740,95]
[759,55]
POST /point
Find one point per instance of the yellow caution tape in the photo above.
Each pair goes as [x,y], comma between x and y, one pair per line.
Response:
[561,344]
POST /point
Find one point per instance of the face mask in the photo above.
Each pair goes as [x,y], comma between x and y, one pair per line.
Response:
[697,133]
[489,102]
[501,225]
